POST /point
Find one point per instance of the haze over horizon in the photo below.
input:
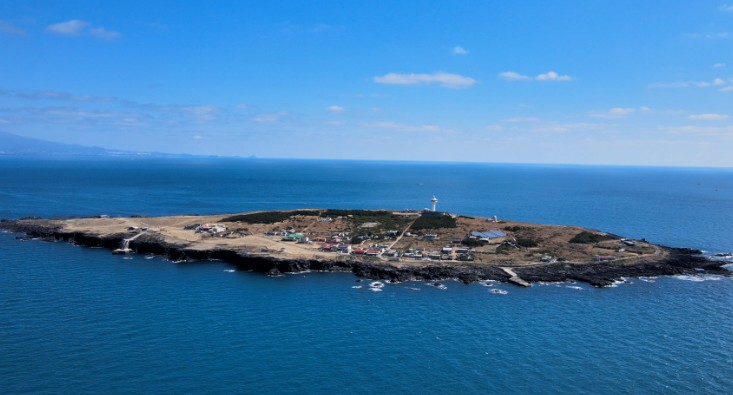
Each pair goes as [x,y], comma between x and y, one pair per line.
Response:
[608,82]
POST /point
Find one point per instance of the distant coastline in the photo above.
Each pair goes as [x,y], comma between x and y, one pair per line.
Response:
[382,245]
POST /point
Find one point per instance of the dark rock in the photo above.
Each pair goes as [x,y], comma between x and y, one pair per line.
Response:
[678,261]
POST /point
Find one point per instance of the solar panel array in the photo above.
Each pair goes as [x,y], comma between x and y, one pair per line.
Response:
[489,234]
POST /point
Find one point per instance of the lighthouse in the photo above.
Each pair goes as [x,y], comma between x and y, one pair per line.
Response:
[434,201]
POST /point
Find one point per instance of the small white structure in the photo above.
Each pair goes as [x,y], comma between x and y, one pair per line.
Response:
[434,201]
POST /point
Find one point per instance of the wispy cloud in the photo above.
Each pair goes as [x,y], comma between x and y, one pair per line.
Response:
[200,114]
[76,27]
[11,29]
[61,96]
[548,76]
[697,130]
[513,76]
[708,117]
[726,7]
[618,112]
[719,65]
[335,109]
[707,36]
[403,127]
[542,126]
[273,117]
[445,80]
[458,50]
[718,82]
[103,33]
[73,27]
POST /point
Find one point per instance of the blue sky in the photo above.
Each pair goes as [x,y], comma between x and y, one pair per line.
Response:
[584,82]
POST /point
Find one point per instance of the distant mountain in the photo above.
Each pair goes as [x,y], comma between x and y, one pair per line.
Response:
[14,145]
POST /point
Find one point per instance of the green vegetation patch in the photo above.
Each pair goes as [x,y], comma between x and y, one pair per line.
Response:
[527,242]
[471,242]
[586,237]
[268,217]
[386,219]
[434,222]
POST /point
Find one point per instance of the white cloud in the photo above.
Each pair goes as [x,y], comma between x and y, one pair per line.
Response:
[616,112]
[402,127]
[201,114]
[520,119]
[494,128]
[548,76]
[73,27]
[689,84]
[76,27]
[553,76]
[446,80]
[9,28]
[719,65]
[103,33]
[708,117]
[728,88]
[269,118]
[513,76]
[707,36]
[695,130]
[335,109]
[540,126]
[458,50]
[197,137]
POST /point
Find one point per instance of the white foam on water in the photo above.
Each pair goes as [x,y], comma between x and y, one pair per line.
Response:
[228,270]
[728,267]
[413,288]
[497,291]
[699,277]
[375,289]
[552,283]
[574,287]
[648,279]
[356,286]
[127,257]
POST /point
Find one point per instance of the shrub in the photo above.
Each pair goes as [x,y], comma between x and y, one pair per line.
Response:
[434,222]
[586,237]
[471,242]
[267,217]
[527,242]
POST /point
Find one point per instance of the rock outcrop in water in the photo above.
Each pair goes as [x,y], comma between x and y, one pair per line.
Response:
[675,261]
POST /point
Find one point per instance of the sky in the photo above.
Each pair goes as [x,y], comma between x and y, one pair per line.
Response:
[574,82]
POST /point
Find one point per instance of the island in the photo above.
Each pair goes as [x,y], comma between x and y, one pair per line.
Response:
[381,245]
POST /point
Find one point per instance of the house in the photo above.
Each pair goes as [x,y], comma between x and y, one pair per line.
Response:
[295,237]
[487,235]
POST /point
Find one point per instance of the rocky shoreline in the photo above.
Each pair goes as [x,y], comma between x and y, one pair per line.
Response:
[599,274]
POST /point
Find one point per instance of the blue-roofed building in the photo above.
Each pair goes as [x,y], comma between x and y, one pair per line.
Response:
[488,234]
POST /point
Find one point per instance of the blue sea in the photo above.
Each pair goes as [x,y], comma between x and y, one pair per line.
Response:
[79,320]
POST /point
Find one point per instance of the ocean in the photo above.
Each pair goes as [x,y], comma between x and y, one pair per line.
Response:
[80,320]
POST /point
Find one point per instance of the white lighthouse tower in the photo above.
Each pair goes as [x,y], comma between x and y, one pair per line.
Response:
[434,201]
